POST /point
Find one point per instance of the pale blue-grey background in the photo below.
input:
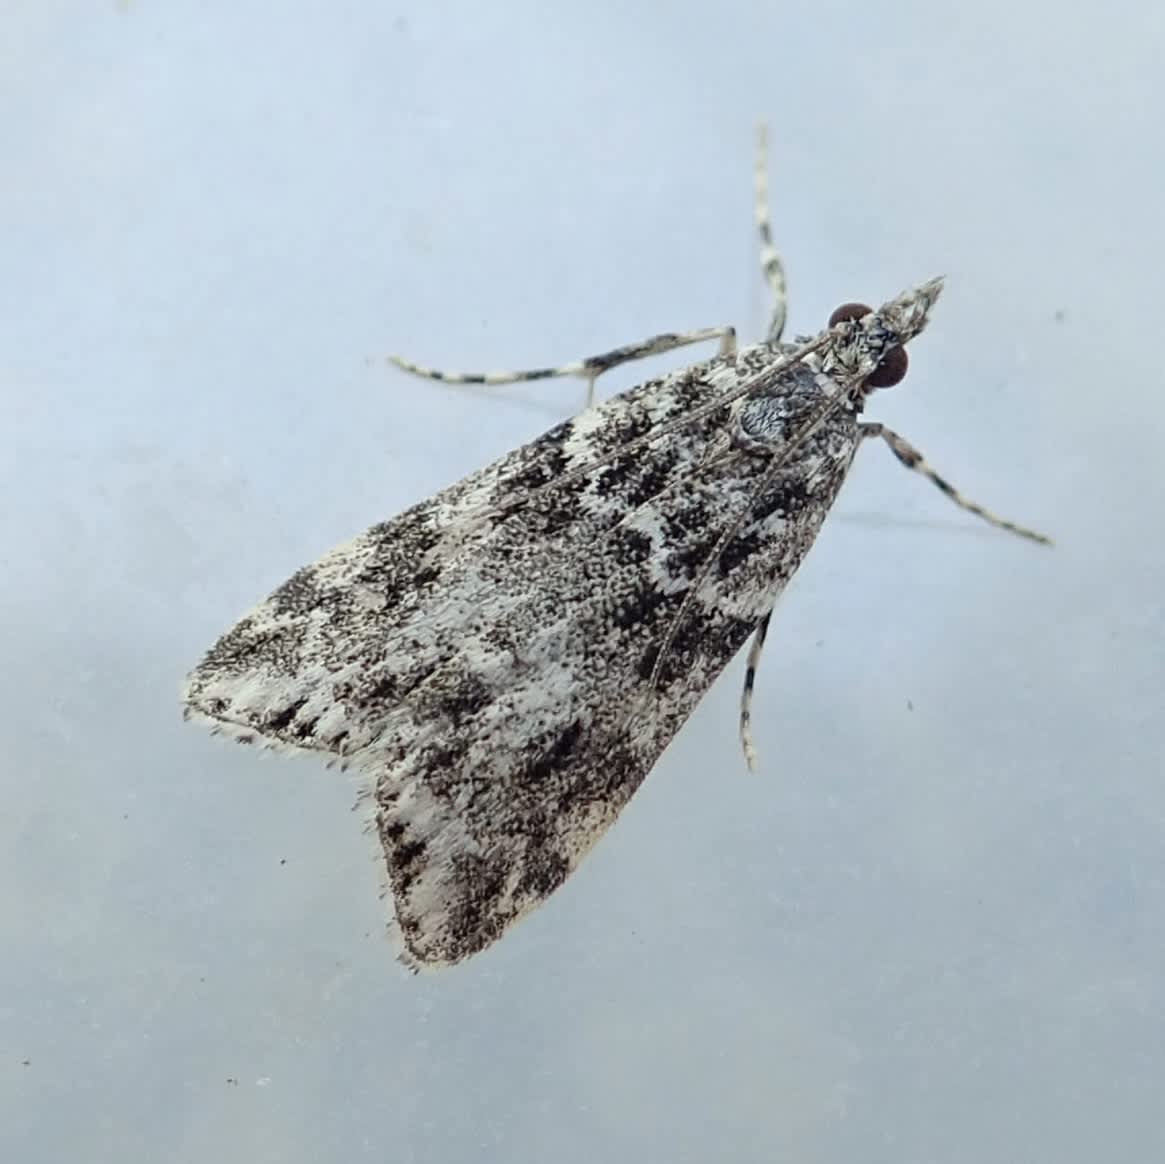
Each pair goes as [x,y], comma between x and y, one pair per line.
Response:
[932,927]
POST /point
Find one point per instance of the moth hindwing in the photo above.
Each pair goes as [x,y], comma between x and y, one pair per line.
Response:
[504,662]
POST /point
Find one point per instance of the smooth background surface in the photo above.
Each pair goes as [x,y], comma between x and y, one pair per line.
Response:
[932,928]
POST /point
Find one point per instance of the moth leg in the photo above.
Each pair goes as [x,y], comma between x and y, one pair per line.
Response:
[913,459]
[770,262]
[754,652]
[589,369]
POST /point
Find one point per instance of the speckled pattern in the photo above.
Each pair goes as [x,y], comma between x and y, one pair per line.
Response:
[506,661]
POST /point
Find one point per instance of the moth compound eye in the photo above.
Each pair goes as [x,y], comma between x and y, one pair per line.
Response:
[894,363]
[849,311]
[891,370]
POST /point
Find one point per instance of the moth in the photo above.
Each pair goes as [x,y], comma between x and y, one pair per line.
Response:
[504,662]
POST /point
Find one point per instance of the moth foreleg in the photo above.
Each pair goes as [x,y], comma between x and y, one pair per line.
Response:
[770,262]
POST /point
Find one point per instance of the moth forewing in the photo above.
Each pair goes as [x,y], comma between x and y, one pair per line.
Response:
[505,661]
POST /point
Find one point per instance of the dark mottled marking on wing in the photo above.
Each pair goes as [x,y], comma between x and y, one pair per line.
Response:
[552,758]
[406,860]
[471,919]
[544,875]
[468,697]
[739,550]
[628,546]
[692,638]
[444,760]
[551,463]
[301,593]
[642,606]
[637,480]
[424,578]
[279,645]
[280,721]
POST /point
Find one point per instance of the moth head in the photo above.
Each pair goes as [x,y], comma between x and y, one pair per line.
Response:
[873,346]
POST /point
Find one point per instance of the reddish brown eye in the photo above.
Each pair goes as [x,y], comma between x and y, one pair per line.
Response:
[849,311]
[891,370]
[894,363]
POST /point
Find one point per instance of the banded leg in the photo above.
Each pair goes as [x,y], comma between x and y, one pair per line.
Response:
[913,459]
[770,262]
[589,369]
[754,653]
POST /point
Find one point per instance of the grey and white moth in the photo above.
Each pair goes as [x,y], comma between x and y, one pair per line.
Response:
[505,661]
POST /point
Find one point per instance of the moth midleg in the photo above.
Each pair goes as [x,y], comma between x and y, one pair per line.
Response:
[913,459]
[770,262]
[754,652]
[589,369]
